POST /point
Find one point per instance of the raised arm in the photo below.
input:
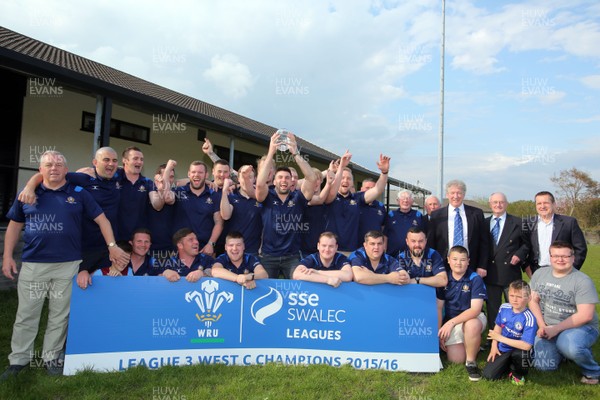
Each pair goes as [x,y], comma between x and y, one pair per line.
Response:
[335,185]
[262,189]
[310,178]
[207,148]
[226,209]
[384,166]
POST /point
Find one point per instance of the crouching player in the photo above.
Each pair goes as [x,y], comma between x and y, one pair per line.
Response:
[327,265]
[512,337]
[237,266]
[189,262]
[463,322]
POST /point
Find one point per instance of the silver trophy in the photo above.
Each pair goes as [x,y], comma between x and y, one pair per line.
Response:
[284,139]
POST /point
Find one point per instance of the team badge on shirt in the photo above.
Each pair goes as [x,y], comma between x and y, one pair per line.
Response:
[291,204]
[428,267]
[209,201]
[415,223]
[118,185]
[379,212]
[352,202]
[71,200]
[518,326]
[142,189]
[466,288]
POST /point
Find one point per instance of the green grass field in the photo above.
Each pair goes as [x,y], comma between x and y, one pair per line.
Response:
[285,382]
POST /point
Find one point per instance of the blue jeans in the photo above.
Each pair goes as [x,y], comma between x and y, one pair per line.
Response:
[574,344]
[276,264]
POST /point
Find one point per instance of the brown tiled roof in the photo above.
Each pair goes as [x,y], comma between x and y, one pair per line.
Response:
[35,57]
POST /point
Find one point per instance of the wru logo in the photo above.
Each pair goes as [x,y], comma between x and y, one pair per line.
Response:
[209,301]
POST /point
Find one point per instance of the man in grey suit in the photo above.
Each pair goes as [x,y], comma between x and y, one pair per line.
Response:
[508,251]
[549,227]
[460,224]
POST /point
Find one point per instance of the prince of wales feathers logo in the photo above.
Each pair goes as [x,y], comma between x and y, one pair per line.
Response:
[209,302]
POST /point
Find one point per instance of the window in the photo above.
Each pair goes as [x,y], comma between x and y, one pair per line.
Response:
[118,129]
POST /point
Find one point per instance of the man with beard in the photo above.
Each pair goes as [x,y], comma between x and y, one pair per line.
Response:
[371,266]
[189,262]
[236,265]
[197,206]
[424,265]
[344,211]
[282,211]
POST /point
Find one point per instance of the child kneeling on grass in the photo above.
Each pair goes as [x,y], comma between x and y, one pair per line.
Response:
[461,301]
[512,337]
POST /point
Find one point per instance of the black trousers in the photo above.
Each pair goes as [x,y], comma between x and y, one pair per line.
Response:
[516,361]
[494,301]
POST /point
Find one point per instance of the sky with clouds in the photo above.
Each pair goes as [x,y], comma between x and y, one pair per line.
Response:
[522,78]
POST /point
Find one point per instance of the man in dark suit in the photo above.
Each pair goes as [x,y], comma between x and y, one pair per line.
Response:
[460,224]
[549,227]
[508,251]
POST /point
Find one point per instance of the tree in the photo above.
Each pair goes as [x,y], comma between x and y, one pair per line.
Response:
[575,187]
[522,208]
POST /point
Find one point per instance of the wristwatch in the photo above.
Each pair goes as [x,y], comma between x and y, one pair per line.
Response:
[418,280]
[112,244]
[213,244]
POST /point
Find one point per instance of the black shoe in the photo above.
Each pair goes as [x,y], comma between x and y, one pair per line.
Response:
[473,371]
[12,370]
[54,367]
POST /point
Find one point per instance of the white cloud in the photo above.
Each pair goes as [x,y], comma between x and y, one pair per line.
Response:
[230,75]
[591,81]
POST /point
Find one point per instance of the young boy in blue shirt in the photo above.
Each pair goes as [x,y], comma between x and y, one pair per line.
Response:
[512,337]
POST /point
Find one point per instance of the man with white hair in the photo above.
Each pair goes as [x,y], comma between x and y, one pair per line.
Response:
[460,225]
[51,257]
[398,223]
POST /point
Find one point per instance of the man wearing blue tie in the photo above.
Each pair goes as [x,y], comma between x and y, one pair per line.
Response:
[508,250]
[460,225]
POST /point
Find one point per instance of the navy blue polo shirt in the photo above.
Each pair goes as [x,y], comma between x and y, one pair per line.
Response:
[201,262]
[160,224]
[372,218]
[386,264]
[396,227]
[53,226]
[282,223]
[246,219]
[343,218]
[313,261]
[249,262]
[133,205]
[149,267]
[315,217]
[195,212]
[458,294]
[431,264]
[107,193]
